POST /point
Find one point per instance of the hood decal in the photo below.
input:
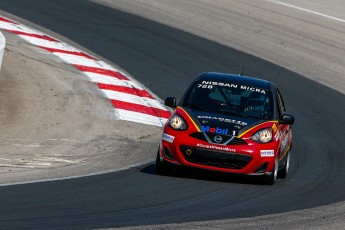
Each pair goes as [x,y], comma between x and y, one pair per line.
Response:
[219,123]
[237,123]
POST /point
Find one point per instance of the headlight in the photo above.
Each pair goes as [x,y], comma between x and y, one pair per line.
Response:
[263,136]
[176,122]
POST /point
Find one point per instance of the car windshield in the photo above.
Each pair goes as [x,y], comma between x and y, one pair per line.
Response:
[229,98]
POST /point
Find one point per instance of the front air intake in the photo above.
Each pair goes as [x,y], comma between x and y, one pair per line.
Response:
[168,154]
[262,168]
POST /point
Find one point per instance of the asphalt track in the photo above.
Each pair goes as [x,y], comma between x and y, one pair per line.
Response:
[165,60]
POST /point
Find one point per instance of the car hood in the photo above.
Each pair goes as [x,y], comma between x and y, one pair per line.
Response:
[220,123]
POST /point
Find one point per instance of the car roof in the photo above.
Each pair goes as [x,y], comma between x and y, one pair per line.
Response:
[236,79]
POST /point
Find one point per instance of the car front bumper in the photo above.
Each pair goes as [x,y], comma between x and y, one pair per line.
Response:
[249,159]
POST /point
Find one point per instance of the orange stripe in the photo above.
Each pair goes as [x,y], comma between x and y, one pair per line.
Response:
[197,128]
[255,127]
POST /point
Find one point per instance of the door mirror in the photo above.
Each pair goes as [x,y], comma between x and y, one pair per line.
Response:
[287,119]
[170,101]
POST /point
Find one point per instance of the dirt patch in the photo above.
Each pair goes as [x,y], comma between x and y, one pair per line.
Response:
[56,123]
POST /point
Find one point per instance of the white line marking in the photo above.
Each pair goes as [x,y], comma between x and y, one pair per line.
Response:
[306,10]
[5,159]
[143,118]
[130,98]
[76,177]
[17,27]
[33,146]
[100,78]
[55,159]
[80,60]
[8,26]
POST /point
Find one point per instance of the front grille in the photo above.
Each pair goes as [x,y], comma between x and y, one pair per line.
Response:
[211,136]
[215,158]
[237,141]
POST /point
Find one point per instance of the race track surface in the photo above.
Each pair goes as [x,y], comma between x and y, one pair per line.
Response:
[166,60]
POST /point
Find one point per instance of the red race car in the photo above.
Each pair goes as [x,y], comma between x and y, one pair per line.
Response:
[228,123]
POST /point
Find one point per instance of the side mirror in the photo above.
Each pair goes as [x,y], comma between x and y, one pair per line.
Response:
[287,119]
[170,101]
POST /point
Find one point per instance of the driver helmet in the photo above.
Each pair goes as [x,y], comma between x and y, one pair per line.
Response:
[257,102]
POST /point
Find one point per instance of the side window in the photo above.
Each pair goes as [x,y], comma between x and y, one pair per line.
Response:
[281,106]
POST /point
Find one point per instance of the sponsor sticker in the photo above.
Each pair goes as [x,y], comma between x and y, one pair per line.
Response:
[216,130]
[285,142]
[277,136]
[267,153]
[210,84]
[231,121]
[215,147]
[168,138]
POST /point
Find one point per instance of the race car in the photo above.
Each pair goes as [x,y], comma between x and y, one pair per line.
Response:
[228,123]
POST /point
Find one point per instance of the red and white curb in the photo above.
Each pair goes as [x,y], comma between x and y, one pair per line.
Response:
[131,100]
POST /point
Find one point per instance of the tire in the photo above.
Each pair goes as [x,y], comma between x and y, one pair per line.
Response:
[282,173]
[271,179]
[162,168]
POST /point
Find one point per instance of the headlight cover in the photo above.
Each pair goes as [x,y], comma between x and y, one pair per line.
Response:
[263,136]
[177,122]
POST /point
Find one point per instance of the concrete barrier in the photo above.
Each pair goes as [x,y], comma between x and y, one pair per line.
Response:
[2,47]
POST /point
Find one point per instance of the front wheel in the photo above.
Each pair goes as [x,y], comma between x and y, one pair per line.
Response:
[271,179]
[284,171]
[162,168]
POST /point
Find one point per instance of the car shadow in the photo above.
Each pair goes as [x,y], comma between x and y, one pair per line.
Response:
[205,175]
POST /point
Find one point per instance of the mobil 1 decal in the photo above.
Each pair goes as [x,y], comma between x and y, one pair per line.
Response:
[218,130]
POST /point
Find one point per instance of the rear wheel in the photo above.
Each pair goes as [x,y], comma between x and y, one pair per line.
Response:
[162,168]
[271,179]
[284,171]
